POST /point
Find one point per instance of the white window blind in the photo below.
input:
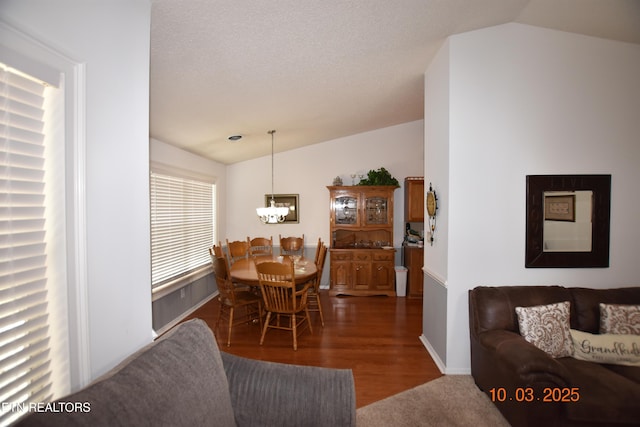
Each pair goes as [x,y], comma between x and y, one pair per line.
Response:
[182,219]
[25,368]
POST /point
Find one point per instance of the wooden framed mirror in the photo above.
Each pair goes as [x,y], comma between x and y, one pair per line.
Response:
[568,221]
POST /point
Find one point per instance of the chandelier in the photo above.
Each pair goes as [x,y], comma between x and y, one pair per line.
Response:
[272,214]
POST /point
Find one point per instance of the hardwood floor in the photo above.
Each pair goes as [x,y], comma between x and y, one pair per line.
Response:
[376,337]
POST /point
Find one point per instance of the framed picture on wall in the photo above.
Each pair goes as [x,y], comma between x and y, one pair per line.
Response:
[286,200]
[560,208]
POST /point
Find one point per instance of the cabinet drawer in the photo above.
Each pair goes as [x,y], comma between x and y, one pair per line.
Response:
[341,256]
[383,256]
[362,256]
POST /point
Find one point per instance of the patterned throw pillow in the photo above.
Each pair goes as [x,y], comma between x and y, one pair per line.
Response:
[547,327]
[619,319]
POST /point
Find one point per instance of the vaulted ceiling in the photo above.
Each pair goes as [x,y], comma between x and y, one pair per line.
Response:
[320,70]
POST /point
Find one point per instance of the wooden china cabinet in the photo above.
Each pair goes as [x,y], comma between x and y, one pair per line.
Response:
[362,256]
[414,214]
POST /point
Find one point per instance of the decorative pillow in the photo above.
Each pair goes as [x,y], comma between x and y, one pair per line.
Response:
[619,319]
[547,327]
[617,349]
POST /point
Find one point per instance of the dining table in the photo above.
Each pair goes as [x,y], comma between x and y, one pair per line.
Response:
[244,270]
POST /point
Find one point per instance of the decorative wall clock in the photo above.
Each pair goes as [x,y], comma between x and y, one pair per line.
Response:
[432,207]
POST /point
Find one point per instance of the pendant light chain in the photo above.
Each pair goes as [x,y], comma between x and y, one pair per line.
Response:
[271,132]
[272,214]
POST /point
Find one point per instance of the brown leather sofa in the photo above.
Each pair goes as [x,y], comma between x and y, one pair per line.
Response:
[563,391]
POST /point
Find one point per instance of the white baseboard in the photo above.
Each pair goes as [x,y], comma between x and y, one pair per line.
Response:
[425,342]
[439,363]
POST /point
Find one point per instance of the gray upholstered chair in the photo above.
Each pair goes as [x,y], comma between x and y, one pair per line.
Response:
[183,379]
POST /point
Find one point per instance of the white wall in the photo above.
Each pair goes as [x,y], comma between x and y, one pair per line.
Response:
[112,40]
[307,171]
[526,100]
[436,161]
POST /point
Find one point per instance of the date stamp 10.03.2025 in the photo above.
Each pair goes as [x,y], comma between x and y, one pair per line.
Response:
[528,394]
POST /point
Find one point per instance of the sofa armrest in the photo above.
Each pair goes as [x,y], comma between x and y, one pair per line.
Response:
[502,359]
[526,362]
[275,394]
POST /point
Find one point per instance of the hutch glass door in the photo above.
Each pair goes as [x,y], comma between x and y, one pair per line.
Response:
[346,210]
[376,210]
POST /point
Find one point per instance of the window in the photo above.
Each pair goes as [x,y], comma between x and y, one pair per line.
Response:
[26,270]
[182,226]
[60,187]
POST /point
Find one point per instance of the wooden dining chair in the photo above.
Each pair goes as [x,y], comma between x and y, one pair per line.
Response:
[237,249]
[292,245]
[313,299]
[315,259]
[216,251]
[286,307]
[231,298]
[259,246]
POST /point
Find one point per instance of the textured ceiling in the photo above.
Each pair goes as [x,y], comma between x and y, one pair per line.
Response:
[320,70]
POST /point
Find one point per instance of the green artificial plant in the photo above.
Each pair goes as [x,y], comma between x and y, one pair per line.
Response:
[379,177]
